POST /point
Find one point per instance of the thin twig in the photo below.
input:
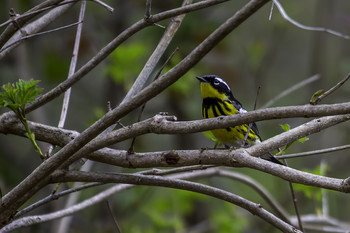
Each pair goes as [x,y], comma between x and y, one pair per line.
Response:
[183,175]
[76,188]
[12,28]
[38,10]
[325,94]
[169,182]
[104,52]
[156,55]
[39,177]
[271,10]
[113,216]
[159,72]
[36,34]
[281,212]
[73,64]
[131,148]
[72,67]
[286,17]
[12,34]
[109,8]
[65,223]
[294,199]
[55,196]
[292,89]
[148,9]
[325,202]
[335,225]
[315,152]
[33,12]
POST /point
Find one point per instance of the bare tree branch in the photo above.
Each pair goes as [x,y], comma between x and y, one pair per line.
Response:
[258,188]
[148,9]
[315,152]
[157,54]
[62,137]
[325,94]
[291,90]
[289,19]
[199,174]
[323,224]
[55,196]
[13,199]
[14,43]
[255,209]
[104,52]
[35,27]
[93,142]
[22,19]
[109,8]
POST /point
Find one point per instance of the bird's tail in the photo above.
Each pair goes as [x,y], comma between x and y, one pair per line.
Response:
[270,157]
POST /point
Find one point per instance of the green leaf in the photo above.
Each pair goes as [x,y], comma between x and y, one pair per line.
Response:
[310,192]
[316,94]
[211,136]
[285,127]
[303,139]
[15,96]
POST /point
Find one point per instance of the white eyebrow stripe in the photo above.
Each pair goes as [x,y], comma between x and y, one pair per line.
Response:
[222,81]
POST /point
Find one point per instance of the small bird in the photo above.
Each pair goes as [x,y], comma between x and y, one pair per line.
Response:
[218,101]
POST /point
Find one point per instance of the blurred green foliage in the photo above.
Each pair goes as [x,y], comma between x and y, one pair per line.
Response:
[312,193]
[55,66]
[274,54]
[211,137]
[125,63]
[184,86]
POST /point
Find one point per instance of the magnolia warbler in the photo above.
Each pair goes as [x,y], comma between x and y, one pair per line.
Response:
[219,101]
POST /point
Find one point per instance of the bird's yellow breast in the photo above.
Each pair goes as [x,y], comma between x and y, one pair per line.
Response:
[214,105]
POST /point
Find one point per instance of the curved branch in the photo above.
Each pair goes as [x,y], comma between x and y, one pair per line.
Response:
[137,179]
[10,201]
[236,158]
[321,29]
[259,189]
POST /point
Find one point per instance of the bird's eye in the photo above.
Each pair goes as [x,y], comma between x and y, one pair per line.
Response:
[216,82]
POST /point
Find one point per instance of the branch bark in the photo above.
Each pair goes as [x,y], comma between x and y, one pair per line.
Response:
[15,198]
[252,207]
[35,26]
[61,137]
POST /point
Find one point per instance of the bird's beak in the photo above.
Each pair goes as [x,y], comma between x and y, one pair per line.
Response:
[201,79]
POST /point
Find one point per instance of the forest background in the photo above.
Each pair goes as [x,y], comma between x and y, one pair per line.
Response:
[272,55]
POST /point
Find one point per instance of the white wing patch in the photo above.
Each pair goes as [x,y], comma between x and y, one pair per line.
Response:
[242,110]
